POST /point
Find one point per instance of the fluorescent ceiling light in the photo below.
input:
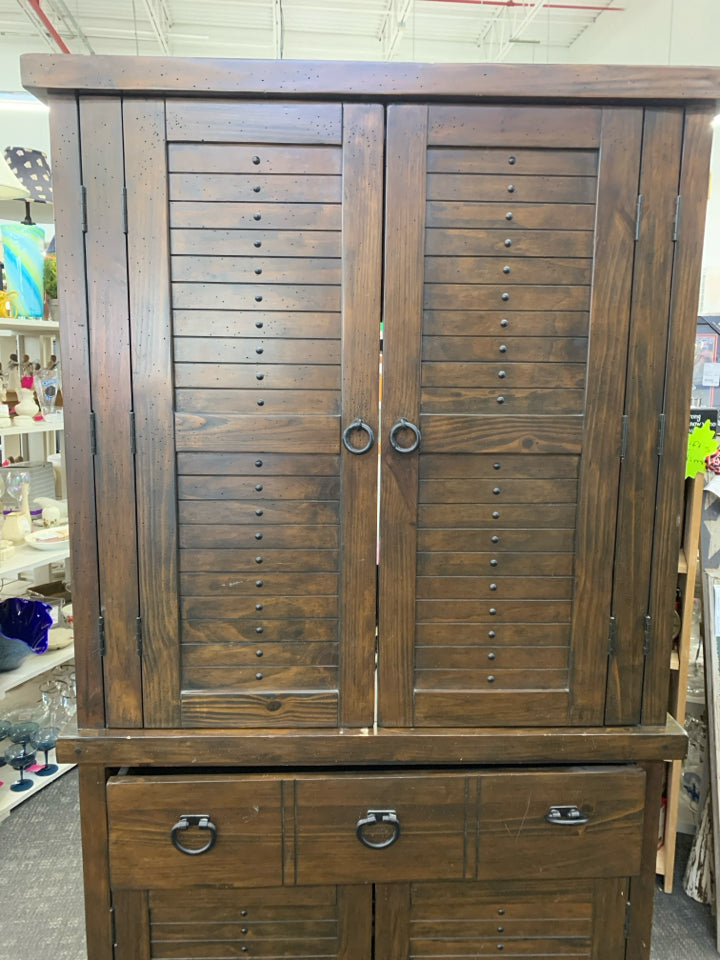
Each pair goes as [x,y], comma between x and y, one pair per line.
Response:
[24,102]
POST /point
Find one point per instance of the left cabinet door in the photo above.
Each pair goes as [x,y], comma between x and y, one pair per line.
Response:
[334,923]
[254,266]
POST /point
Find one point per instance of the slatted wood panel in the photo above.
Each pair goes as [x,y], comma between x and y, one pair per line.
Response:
[515,342]
[274,236]
[472,920]
[314,922]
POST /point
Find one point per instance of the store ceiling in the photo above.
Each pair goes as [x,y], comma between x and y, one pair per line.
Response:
[463,30]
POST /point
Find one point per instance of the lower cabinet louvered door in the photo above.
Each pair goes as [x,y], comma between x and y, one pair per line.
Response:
[312,923]
[577,920]
[581,920]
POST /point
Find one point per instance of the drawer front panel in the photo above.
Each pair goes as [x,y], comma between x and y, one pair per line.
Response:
[435,830]
[516,841]
[246,813]
[310,829]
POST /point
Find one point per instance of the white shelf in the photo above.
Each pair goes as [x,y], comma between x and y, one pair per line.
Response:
[9,798]
[29,325]
[53,425]
[28,558]
[33,666]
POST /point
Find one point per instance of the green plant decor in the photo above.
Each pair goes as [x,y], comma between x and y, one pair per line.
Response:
[51,277]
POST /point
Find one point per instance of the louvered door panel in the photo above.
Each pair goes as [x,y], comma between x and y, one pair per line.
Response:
[312,923]
[273,217]
[497,533]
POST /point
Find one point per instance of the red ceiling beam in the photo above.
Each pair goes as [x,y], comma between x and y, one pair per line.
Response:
[48,24]
[547,6]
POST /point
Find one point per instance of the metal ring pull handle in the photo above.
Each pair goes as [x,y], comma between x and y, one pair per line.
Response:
[378,816]
[200,820]
[358,424]
[566,816]
[404,424]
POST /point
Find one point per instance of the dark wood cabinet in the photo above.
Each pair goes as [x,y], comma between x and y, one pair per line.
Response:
[376,400]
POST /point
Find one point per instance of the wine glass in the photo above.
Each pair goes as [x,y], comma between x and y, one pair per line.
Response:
[20,759]
[13,485]
[23,731]
[68,706]
[45,739]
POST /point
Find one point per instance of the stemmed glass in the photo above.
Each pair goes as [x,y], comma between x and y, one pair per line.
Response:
[45,739]
[5,725]
[17,755]
[19,759]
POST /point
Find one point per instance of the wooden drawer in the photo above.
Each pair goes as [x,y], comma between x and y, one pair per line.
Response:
[436,827]
[246,812]
[515,840]
[312,829]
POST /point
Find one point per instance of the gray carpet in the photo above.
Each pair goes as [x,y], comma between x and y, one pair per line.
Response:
[41,903]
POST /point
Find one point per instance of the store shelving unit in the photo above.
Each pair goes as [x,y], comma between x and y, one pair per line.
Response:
[679,663]
[21,686]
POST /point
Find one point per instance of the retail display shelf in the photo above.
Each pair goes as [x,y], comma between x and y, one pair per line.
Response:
[10,798]
[29,325]
[28,558]
[51,425]
[33,666]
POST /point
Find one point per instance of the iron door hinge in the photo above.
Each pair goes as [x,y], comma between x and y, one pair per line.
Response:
[124,210]
[628,920]
[612,637]
[624,440]
[139,635]
[647,627]
[661,434]
[676,223]
[133,441]
[83,208]
[102,642]
[113,927]
[638,216]
[93,433]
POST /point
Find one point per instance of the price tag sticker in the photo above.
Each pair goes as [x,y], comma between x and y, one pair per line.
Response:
[701,443]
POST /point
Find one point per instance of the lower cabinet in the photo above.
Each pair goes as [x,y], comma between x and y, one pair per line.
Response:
[529,862]
[569,920]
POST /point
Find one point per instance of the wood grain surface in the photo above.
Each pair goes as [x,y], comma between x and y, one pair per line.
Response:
[112,403]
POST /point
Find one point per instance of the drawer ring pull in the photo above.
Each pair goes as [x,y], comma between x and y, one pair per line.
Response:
[358,424]
[566,816]
[404,424]
[200,820]
[378,816]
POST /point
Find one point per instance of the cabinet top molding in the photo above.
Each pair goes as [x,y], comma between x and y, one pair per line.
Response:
[45,74]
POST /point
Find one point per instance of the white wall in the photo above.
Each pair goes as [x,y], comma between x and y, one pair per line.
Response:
[653,32]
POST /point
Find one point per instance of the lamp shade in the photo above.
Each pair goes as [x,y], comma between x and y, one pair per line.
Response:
[27,174]
[32,169]
[10,186]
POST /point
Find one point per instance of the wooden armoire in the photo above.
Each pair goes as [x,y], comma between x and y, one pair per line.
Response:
[377,384]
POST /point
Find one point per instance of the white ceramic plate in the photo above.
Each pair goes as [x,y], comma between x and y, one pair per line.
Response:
[59,637]
[49,539]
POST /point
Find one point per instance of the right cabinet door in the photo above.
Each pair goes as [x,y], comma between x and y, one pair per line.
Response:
[508,282]
[575,920]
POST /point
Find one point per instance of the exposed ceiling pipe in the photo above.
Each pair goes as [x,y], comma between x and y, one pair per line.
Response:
[61,8]
[509,4]
[47,23]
